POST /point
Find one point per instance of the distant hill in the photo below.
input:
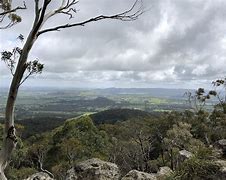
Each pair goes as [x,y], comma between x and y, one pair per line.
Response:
[114,115]
[38,125]
[154,92]
[102,102]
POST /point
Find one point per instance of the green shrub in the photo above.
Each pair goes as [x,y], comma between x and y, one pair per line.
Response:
[195,168]
[22,173]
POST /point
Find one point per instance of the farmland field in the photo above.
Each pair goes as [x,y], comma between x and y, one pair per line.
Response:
[61,103]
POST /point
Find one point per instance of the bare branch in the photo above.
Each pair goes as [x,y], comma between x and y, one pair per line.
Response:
[65,8]
[26,77]
[37,11]
[127,15]
[10,24]
[68,12]
[42,13]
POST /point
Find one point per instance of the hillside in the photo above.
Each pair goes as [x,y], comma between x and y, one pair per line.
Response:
[38,125]
[112,116]
[138,141]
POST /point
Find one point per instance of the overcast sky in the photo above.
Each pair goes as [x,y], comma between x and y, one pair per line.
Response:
[175,44]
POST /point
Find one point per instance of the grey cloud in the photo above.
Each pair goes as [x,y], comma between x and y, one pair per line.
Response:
[173,42]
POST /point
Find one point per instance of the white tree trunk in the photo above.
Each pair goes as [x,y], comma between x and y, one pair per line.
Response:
[2,166]
[4,156]
[10,140]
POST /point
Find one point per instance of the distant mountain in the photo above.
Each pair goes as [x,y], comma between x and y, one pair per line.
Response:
[115,115]
[154,92]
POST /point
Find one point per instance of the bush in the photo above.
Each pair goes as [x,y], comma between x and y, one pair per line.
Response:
[195,168]
[22,173]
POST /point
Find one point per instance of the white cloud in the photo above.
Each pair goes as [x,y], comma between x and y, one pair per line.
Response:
[175,41]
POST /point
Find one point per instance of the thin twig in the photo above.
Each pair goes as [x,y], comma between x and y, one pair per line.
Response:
[127,15]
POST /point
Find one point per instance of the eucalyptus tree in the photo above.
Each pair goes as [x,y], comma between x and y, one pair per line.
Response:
[21,68]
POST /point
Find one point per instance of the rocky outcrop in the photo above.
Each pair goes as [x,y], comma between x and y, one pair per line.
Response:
[138,175]
[39,176]
[94,169]
[164,172]
[71,174]
[222,174]
[222,142]
[217,152]
[184,154]
[222,145]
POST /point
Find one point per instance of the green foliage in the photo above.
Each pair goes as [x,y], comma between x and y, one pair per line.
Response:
[179,136]
[198,169]
[154,165]
[203,152]
[112,116]
[78,139]
[71,148]
[60,170]
[34,67]
[37,152]
[21,173]
[5,5]
[142,143]
[14,18]
[132,144]
[19,156]
[37,125]
[217,125]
